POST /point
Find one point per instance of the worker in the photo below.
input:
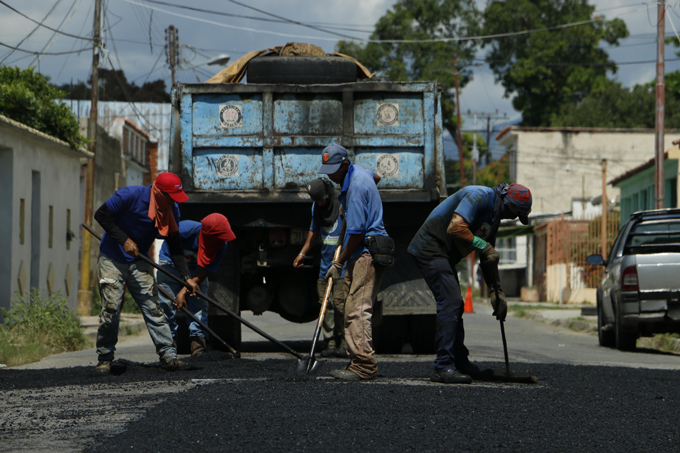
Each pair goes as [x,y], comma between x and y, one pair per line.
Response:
[132,219]
[466,221]
[204,244]
[327,224]
[363,213]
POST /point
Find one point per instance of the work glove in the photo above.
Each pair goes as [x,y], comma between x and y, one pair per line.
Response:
[499,304]
[489,255]
[335,271]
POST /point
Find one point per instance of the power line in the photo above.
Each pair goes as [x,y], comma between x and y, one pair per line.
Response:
[43,53]
[65,21]
[32,31]
[43,25]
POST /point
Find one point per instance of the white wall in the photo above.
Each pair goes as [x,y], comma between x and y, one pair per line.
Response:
[552,163]
[26,151]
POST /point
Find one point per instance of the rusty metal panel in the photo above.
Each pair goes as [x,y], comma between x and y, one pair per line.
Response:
[388,114]
[295,167]
[227,169]
[227,114]
[186,150]
[308,114]
[400,168]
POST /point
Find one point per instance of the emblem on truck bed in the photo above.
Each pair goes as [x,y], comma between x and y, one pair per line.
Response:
[226,166]
[388,165]
[388,114]
[230,115]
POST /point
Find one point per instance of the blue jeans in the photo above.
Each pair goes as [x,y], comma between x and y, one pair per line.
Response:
[138,277]
[450,335]
[196,305]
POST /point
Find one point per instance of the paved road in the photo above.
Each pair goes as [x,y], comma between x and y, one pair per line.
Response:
[256,403]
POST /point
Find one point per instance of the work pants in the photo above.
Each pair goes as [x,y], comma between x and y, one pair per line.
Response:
[362,277]
[138,277]
[450,335]
[196,305]
[334,318]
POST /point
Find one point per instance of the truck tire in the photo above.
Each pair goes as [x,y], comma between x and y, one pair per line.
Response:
[302,70]
[389,337]
[422,333]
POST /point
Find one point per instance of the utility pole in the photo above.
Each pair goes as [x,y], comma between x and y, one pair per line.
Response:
[475,153]
[604,208]
[172,50]
[85,292]
[460,138]
[660,106]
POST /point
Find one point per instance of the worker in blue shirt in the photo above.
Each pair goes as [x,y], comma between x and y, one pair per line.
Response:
[327,224]
[204,244]
[466,221]
[132,219]
[363,213]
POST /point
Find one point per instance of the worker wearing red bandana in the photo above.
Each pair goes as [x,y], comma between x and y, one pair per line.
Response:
[132,219]
[204,244]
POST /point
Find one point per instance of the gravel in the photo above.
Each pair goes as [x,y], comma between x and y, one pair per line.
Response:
[251,405]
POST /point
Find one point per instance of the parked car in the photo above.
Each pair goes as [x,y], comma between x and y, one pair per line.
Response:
[640,291]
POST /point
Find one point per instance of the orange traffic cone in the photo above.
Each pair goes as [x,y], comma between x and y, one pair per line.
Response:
[468,301]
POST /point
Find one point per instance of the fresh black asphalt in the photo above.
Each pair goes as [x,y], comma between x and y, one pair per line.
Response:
[249,405]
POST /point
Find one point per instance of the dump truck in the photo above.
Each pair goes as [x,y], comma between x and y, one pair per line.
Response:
[248,150]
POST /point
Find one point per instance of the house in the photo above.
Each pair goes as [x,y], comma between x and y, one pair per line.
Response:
[637,184]
[559,164]
[40,211]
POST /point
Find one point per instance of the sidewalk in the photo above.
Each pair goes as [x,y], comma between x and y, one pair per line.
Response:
[130,324]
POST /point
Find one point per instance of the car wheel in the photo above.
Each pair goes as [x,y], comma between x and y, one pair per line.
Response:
[605,333]
[625,341]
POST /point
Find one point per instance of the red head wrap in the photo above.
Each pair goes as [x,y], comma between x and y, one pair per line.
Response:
[215,231]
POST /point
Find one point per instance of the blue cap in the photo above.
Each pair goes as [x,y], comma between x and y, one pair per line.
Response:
[333,156]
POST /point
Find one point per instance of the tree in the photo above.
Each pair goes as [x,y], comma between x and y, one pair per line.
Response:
[114,86]
[491,175]
[422,19]
[615,106]
[29,98]
[549,68]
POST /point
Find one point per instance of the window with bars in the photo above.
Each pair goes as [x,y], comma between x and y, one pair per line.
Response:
[507,249]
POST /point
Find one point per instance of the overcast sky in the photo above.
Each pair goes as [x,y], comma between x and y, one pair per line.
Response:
[135,37]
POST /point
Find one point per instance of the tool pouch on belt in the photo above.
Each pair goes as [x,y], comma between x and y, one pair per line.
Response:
[381,248]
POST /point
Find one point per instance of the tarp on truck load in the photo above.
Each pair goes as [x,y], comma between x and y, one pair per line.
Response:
[235,72]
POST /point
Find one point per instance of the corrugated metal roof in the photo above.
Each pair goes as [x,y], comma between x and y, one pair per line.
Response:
[151,117]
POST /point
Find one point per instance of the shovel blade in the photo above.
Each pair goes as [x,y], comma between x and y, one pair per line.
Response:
[308,366]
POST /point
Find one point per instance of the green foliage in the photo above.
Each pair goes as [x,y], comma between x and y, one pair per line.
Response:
[36,327]
[28,98]
[545,69]
[615,106]
[490,175]
[422,19]
[129,304]
[114,86]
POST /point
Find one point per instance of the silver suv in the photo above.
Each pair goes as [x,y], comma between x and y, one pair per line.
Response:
[640,292]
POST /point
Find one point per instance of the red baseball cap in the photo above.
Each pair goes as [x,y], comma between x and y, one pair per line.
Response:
[172,185]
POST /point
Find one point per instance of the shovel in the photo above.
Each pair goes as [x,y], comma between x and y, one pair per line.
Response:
[310,366]
[507,375]
[213,302]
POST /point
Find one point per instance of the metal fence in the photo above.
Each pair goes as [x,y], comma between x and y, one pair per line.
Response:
[570,241]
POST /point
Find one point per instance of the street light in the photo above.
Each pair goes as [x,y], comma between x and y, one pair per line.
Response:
[220,60]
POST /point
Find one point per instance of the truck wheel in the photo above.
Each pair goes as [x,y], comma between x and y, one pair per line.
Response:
[182,335]
[389,337]
[302,70]
[228,328]
[422,333]
[625,341]
[605,333]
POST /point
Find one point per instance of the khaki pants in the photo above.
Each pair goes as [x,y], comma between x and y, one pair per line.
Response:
[334,318]
[362,277]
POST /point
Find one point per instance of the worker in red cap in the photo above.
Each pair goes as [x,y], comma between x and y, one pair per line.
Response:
[467,220]
[204,244]
[132,219]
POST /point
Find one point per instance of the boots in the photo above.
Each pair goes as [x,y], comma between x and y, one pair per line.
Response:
[197,346]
